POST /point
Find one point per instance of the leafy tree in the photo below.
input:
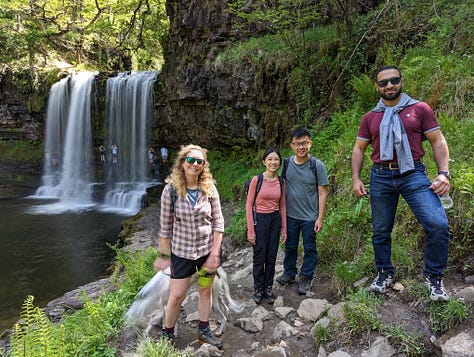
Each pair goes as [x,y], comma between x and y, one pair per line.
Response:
[102,34]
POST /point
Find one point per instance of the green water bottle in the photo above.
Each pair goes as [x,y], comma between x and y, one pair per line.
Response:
[204,279]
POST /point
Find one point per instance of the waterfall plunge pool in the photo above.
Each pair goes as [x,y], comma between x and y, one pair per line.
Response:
[47,255]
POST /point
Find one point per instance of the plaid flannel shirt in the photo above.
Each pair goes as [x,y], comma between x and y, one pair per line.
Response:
[190,229]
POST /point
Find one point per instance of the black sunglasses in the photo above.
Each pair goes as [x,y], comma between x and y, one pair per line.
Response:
[191,160]
[393,80]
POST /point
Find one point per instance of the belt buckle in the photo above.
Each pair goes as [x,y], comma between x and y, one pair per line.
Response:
[394,167]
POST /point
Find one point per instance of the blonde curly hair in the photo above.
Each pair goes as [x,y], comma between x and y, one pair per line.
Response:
[206,182]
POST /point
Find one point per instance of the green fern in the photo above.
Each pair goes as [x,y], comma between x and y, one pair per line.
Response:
[365,88]
[35,335]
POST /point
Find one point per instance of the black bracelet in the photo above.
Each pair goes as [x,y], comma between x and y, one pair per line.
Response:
[163,255]
[445,173]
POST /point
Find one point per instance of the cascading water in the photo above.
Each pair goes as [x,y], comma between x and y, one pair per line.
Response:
[68,164]
[129,111]
[76,174]
[57,114]
[68,145]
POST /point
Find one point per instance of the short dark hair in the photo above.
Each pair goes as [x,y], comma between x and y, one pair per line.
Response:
[384,68]
[269,151]
[299,133]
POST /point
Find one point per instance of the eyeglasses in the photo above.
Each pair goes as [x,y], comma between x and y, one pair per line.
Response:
[301,144]
[394,80]
[191,160]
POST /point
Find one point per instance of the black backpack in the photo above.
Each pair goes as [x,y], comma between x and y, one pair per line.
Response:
[257,189]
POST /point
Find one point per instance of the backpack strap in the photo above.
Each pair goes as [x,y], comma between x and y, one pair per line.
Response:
[282,184]
[284,167]
[174,197]
[312,164]
[257,189]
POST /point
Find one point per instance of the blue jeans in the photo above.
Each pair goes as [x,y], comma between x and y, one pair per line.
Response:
[386,186]
[310,258]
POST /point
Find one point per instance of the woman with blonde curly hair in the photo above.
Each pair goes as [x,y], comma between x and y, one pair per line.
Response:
[190,237]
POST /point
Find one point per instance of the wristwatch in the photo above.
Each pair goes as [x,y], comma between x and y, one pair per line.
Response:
[445,173]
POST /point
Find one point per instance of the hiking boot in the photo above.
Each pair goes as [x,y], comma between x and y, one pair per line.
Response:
[269,295]
[285,279]
[205,336]
[167,336]
[257,297]
[305,285]
[436,288]
[382,281]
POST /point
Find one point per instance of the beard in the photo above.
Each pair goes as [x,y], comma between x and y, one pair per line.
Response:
[391,96]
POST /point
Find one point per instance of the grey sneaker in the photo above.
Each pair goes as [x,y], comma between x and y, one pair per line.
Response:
[269,295]
[205,336]
[305,285]
[285,279]
[382,281]
[257,297]
[436,288]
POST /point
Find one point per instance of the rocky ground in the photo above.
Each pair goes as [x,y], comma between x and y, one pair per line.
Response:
[284,328]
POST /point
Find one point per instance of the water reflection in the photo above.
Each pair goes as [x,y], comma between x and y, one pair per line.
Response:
[47,255]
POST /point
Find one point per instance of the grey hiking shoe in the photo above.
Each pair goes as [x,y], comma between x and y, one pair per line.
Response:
[305,285]
[285,279]
[269,295]
[382,281]
[436,288]
[257,297]
[205,336]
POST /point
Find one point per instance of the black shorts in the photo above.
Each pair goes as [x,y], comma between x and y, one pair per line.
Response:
[182,268]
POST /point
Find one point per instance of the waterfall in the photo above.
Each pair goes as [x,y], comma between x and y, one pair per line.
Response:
[57,113]
[68,145]
[69,174]
[129,112]
[76,176]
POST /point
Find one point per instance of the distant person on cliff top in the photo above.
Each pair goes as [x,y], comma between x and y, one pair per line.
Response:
[114,149]
[164,154]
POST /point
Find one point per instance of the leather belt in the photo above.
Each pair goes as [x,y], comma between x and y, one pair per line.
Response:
[392,165]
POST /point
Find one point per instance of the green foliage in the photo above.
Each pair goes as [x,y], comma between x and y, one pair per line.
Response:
[361,314]
[237,229]
[90,330]
[406,342]
[150,348]
[101,35]
[446,315]
[360,310]
[365,88]
[320,334]
[36,335]
[231,169]
[21,151]
[278,16]
[87,332]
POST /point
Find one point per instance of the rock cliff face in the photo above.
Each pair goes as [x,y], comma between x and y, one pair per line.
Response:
[21,112]
[198,98]
[203,102]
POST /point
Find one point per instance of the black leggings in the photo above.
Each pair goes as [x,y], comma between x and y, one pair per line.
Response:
[265,250]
